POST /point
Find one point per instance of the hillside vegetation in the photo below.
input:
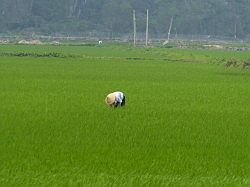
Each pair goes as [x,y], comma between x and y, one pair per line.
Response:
[207,17]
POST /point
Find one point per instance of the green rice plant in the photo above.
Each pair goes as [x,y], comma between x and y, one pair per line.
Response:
[186,121]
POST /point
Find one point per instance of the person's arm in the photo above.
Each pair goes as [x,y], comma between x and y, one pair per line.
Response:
[119,97]
[116,104]
[119,100]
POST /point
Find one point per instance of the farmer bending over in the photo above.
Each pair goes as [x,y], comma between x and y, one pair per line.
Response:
[115,99]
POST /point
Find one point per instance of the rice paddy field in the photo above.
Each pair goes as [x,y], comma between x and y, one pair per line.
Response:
[186,120]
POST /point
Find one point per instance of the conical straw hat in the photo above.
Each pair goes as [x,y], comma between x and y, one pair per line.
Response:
[110,99]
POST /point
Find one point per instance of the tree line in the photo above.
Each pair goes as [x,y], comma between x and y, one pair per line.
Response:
[191,17]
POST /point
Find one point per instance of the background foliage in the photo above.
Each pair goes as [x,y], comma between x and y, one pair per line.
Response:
[206,17]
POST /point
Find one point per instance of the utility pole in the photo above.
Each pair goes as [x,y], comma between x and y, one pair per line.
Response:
[134,21]
[147,30]
[235,30]
[169,31]
[170,27]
